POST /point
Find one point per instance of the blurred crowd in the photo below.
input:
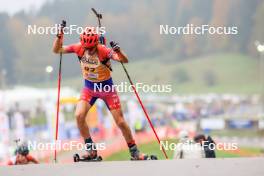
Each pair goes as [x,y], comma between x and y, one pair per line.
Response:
[165,112]
[37,123]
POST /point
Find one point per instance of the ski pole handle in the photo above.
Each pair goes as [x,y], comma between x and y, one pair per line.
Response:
[115,46]
[98,15]
[61,29]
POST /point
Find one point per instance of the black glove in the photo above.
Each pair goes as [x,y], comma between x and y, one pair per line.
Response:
[115,46]
[60,29]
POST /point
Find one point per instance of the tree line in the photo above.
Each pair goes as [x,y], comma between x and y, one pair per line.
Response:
[135,25]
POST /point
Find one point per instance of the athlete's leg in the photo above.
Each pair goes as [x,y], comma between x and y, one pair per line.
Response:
[126,131]
[113,103]
[80,115]
[122,124]
[83,107]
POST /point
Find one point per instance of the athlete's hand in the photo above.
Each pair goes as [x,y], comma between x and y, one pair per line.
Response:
[60,29]
[119,56]
[115,46]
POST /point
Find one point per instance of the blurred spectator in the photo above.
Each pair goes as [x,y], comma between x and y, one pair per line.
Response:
[187,149]
[22,156]
[4,131]
[20,125]
[205,143]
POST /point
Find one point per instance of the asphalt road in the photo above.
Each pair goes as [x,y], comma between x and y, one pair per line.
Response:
[204,167]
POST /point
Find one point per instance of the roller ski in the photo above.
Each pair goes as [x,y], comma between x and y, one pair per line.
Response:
[90,157]
[144,157]
[137,156]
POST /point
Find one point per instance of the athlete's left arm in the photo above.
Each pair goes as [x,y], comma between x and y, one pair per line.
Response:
[118,54]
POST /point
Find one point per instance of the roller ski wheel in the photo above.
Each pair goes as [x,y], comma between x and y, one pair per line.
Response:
[153,157]
[77,158]
[144,157]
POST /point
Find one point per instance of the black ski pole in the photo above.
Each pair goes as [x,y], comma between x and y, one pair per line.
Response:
[98,15]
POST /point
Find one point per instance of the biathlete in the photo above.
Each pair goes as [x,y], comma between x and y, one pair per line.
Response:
[96,70]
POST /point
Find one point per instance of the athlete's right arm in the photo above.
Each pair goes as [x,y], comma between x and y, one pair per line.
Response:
[58,48]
